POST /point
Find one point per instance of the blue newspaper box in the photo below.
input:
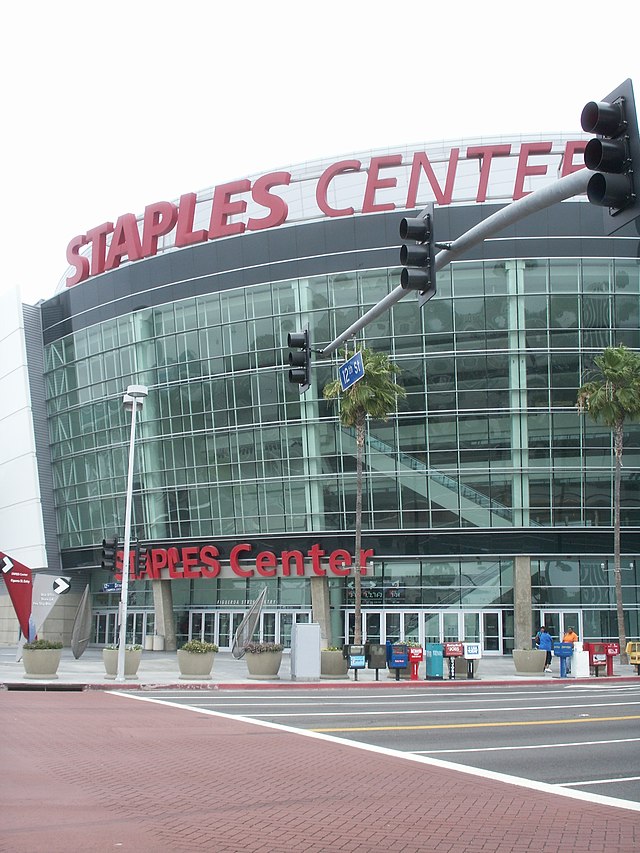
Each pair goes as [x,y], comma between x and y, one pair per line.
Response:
[397,657]
[564,652]
[433,660]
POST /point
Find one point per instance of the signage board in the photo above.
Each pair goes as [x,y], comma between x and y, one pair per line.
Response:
[351,371]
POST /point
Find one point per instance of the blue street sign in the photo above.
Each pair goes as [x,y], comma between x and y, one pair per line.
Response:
[112,587]
[351,371]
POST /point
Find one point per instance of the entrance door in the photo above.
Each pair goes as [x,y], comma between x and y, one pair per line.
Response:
[558,621]
[105,629]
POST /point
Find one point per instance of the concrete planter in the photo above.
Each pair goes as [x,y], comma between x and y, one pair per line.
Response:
[195,665]
[333,665]
[263,665]
[41,663]
[529,661]
[132,658]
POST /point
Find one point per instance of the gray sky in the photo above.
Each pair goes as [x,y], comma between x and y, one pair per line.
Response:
[109,107]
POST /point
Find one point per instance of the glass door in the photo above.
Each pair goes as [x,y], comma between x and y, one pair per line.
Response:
[105,629]
[491,632]
[558,621]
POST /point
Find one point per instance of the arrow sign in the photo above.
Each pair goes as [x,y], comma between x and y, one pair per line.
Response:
[61,585]
[7,565]
[351,371]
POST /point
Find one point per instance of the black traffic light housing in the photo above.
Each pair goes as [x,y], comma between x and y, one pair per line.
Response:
[614,155]
[108,556]
[419,260]
[299,344]
[142,553]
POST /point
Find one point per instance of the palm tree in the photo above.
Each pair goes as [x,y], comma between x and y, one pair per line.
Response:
[613,396]
[373,396]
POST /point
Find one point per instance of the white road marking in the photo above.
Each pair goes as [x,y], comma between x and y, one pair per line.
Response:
[599,781]
[528,746]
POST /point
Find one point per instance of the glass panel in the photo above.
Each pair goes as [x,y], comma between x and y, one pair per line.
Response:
[491,630]
[223,630]
[372,627]
[286,621]
[209,627]
[269,628]
[411,627]
[472,627]
[450,627]
[432,627]
[392,624]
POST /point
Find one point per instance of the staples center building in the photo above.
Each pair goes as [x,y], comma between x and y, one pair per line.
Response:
[487,496]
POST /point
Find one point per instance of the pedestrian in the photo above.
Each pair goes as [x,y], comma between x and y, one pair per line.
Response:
[546,644]
[570,637]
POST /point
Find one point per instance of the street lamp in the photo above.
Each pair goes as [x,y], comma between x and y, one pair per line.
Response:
[132,401]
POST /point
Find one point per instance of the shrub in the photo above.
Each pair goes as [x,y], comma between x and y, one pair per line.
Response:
[43,644]
[258,648]
[134,648]
[199,647]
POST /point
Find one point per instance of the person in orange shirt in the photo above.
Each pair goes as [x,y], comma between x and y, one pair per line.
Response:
[570,637]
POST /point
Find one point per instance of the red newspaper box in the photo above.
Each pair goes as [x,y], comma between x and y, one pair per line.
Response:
[415,657]
[452,651]
[602,655]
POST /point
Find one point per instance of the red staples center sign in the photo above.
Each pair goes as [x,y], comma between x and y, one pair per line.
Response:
[473,174]
[205,561]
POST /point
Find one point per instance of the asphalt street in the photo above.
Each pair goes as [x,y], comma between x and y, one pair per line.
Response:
[580,736]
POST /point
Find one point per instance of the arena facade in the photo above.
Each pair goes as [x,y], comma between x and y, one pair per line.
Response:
[487,496]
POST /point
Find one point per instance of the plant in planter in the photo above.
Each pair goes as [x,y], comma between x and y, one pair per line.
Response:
[132,658]
[529,661]
[333,664]
[41,659]
[195,659]
[263,659]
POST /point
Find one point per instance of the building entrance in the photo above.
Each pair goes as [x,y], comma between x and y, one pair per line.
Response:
[558,621]
[105,627]
[219,627]
[431,626]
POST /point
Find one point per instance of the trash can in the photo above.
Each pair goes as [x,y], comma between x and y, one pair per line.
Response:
[158,643]
[433,660]
[148,642]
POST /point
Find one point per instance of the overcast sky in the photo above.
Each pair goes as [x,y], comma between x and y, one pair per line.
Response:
[108,107]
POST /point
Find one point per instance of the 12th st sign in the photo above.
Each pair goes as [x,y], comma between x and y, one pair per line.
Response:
[351,371]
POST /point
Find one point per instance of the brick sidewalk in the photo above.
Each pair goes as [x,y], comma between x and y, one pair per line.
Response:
[93,771]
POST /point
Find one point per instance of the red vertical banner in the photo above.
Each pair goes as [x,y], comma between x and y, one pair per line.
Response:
[19,581]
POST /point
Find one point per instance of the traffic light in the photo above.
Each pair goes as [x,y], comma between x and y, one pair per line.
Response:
[612,155]
[143,552]
[109,549]
[419,261]
[300,359]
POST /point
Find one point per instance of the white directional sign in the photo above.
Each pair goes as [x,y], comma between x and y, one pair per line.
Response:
[61,585]
[351,371]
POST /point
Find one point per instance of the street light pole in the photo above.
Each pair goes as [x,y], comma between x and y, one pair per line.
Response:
[132,400]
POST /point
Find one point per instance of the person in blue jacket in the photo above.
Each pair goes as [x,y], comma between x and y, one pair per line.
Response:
[546,644]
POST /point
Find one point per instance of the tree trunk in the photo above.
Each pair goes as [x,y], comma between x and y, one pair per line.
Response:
[357,616]
[617,571]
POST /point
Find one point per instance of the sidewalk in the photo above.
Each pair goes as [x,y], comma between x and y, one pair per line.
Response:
[98,771]
[160,670]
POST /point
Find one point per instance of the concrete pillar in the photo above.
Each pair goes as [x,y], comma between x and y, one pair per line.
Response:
[163,606]
[320,610]
[523,627]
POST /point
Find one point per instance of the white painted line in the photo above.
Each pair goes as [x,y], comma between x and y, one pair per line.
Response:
[528,746]
[398,713]
[545,787]
[600,781]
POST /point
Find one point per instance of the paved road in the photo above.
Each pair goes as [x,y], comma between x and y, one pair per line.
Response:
[584,737]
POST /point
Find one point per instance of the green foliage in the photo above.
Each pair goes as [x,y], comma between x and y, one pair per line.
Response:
[259,648]
[374,395]
[134,648]
[613,394]
[38,645]
[199,647]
